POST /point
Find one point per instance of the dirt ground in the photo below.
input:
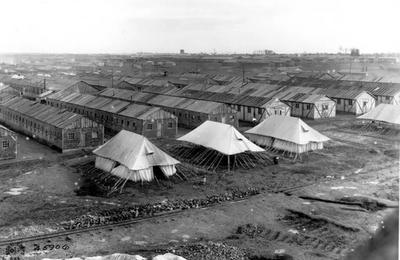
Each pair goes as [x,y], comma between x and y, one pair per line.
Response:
[349,188]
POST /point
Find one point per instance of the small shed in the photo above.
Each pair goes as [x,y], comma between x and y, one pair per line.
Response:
[312,106]
[8,142]
[350,101]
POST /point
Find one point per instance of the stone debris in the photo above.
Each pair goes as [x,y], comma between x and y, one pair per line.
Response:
[147,210]
[210,251]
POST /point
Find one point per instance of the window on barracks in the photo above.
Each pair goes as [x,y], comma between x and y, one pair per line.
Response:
[5,144]
[94,135]
[350,102]
[338,101]
[170,125]
[260,111]
[324,107]
[149,126]
[71,136]
[308,107]
[249,110]
[297,105]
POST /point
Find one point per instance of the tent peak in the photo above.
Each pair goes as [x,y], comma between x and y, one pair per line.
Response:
[221,137]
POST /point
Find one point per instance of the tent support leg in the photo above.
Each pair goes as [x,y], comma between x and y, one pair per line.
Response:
[229,163]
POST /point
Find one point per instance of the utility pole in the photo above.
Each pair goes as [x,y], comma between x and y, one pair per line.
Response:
[112,77]
[243,72]
[351,60]
[243,78]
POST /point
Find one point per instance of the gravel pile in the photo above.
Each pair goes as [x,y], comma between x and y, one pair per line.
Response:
[251,230]
[148,210]
[210,250]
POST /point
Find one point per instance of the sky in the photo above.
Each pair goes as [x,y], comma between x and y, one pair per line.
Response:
[222,26]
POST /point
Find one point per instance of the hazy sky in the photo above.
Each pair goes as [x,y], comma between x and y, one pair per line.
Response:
[123,26]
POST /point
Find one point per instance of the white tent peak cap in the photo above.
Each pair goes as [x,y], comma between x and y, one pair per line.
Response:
[134,151]
[287,128]
[221,137]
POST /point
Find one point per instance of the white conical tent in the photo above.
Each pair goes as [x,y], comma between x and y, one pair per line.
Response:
[214,145]
[286,133]
[136,156]
[384,113]
[220,137]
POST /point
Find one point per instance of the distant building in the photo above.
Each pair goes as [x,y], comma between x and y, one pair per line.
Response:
[182,51]
[310,106]
[83,87]
[8,144]
[190,112]
[263,52]
[117,115]
[389,60]
[29,89]
[53,126]
[354,52]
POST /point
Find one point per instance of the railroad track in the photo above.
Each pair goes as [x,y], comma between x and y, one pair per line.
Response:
[86,229]
[65,233]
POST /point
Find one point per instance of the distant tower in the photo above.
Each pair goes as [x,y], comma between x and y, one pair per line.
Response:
[354,52]
[182,51]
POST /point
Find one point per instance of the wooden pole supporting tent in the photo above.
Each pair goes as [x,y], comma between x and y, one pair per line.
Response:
[212,160]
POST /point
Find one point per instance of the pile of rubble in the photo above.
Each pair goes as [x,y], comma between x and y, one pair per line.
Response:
[210,250]
[148,210]
[251,230]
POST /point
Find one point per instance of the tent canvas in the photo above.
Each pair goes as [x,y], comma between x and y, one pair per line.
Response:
[285,133]
[134,151]
[288,128]
[212,144]
[132,157]
[385,113]
[220,137]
